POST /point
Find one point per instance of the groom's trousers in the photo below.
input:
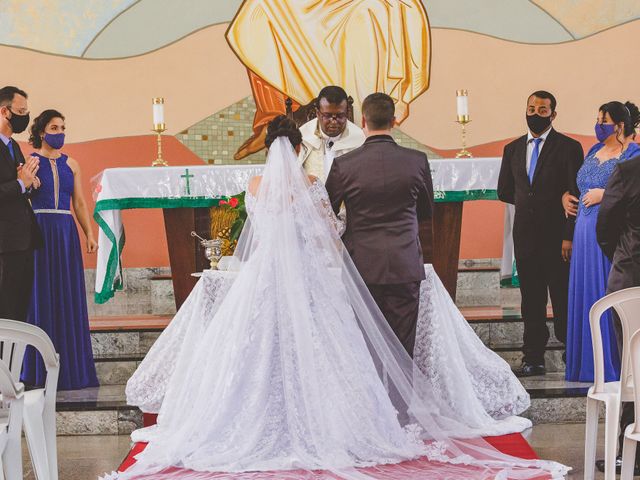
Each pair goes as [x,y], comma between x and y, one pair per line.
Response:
[399,304]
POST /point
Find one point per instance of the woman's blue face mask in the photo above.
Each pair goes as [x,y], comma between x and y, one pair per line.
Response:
[604,131]
[54,140]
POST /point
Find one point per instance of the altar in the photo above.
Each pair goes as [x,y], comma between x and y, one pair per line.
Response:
[180,190]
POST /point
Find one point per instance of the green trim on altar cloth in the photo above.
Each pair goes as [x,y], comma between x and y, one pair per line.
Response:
[156,202]
[464,196]
[114,267]
[109,286]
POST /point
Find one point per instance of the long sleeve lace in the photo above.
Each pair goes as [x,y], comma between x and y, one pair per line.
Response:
[321,198]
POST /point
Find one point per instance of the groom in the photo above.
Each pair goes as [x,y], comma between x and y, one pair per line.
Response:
[387,190]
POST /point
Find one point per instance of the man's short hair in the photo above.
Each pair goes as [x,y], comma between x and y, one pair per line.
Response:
[333,94]
[378,110]
[545,96]
[7,94]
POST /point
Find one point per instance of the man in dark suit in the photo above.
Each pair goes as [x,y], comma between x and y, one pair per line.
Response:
[618,232]
[537,169]
[388,194]
[19,232]
[618,227]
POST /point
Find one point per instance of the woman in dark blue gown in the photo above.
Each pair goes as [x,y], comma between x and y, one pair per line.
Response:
[615,130]
[58,302]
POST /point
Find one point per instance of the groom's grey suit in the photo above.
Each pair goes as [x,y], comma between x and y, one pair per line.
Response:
[387,190]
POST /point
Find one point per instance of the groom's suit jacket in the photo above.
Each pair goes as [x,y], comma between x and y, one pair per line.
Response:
[387,189]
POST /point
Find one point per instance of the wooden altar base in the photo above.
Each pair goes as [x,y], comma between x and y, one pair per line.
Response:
[441,247]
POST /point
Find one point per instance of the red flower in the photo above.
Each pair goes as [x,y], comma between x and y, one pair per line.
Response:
[233,202]
[223,202]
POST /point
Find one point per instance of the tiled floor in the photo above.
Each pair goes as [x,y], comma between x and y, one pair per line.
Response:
[564,443]
[86,457]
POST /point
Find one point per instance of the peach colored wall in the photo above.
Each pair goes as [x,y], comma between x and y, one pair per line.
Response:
[198,76]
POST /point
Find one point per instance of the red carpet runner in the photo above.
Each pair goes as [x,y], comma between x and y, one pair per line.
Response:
[513,444]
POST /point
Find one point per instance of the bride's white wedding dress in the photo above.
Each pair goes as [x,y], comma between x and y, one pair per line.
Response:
[294,366]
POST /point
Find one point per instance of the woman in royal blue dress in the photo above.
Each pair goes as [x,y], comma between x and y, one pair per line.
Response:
[58,302]
[615,130]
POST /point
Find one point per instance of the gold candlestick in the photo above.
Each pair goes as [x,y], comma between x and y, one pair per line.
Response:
[462,104]
[159,127]
[463,120]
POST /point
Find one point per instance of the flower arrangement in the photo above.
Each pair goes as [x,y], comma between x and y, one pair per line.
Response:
[236,203]
[227,221]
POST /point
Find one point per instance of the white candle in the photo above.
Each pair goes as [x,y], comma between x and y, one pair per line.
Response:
[158,111]
[462,101]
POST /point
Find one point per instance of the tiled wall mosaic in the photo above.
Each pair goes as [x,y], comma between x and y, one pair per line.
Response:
[217,138]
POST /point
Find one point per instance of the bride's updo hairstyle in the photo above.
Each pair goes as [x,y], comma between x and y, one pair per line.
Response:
[283,126]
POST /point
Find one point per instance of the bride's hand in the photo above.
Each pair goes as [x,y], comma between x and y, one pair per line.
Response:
[593,197]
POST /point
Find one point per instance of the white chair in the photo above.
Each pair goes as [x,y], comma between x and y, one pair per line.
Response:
[627,304]
[632,434]
[11,410]
[40,404]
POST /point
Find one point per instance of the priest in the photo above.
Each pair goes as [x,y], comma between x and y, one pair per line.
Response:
[330,134]
[293,49]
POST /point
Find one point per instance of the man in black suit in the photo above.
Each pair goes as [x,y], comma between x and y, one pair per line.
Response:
[388,194]
[618,232]
[19,232]
[537,169]
[618,227]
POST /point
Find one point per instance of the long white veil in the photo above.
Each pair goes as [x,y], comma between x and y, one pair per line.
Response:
[293,268]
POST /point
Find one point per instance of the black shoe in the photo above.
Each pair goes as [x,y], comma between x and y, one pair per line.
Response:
[28,386]
[600,466]
[529,370]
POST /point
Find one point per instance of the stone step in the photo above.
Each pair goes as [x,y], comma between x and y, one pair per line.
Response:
[116,369]
[554,400]
[119,343]
[104,411]
[96,411]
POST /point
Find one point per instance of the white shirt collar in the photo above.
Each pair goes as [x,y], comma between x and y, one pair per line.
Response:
[327,138]
[4,139]
[543,136]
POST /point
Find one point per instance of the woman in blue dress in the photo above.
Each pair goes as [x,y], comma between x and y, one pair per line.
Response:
[615,130]
[58,302]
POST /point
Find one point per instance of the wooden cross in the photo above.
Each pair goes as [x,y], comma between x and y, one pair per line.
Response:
[187,176]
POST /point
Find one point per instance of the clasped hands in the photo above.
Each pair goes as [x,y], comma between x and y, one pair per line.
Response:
[27,173]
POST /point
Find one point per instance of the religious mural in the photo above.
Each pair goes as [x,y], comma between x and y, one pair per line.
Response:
[292,49]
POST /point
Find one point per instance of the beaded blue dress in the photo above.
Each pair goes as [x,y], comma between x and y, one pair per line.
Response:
[58,302]
[589,274]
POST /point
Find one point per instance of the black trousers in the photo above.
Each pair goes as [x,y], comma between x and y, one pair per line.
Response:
[399,304]
[16,283]
[540,277]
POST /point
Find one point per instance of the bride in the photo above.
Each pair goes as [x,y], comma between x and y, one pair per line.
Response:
[294,366]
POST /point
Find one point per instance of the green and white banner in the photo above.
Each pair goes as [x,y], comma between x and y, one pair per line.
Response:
[117,189]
